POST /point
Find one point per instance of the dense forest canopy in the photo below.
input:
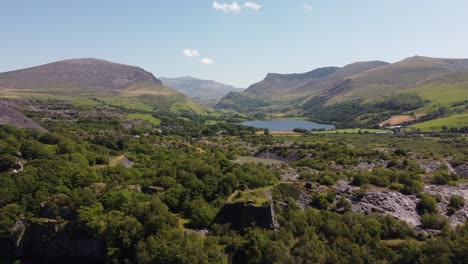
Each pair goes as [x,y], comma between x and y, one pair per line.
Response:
[149,194]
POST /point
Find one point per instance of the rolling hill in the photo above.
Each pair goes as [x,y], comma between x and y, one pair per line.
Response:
[361,93]
[112,83]
[206,92]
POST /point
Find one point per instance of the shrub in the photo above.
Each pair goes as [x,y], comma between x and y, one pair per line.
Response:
[300,130]
[440,179]
[360,179]
[284,190]
[7,162]
[396,186]
[326,180]
[433,221]
[456,202]
[400,152]
[427,204]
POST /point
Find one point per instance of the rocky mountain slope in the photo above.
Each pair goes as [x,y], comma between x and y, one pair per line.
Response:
[85,73]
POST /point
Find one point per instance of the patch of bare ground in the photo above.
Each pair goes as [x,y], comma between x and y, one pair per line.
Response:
[400,119]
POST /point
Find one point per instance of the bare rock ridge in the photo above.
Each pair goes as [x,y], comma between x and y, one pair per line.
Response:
[10,116]
[84,73]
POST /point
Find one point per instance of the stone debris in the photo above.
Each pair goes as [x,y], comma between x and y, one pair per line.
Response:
[445,192]
[395,204]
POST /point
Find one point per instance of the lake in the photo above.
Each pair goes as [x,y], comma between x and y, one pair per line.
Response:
[286,125]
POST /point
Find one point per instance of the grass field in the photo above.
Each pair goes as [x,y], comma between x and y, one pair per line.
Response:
[146,117]
[435,125]
[441,96]
[126,103]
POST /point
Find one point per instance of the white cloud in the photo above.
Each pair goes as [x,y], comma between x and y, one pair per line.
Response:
[207,61]
[252,5]
[191,53]
[234,7]
[308,7]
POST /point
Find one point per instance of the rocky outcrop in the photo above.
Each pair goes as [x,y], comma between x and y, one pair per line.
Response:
[445,192]
[395,204]
[462,170]
[369,166]
[11,116]
[241,216]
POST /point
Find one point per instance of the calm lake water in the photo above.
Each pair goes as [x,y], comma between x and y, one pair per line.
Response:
[286,125]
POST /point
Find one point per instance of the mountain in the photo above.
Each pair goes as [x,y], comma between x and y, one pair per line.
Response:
[108,82]
[86,73]
[361,92]
[206,92]
[276,84]
[399,76]
[283,90]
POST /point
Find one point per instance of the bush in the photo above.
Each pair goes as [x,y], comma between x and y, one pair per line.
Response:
[284,190]
[360,179]
[427,204]
[433,221]
[400,152]
[32,149]
[7,162]
[327,180]
[300,130]
[396,186]
[440,179]
[322,200]
[457,202]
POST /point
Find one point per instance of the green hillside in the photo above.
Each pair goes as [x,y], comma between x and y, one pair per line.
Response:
[362,94]
[454,121]
[91,82]
[443,92]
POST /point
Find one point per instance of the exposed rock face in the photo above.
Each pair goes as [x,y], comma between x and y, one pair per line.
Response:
[395,204]
[241,216]
[11,116]
[400,206]
[51,241]
[445,192]
[429,165]
[369,166]
[462,170]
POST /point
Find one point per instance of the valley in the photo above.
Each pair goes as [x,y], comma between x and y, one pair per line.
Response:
[234,132]
[101,163]
[363,94]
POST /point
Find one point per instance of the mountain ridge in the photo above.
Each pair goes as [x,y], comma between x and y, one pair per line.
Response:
[361,92]
[207,92]
[120,84]
[87,72]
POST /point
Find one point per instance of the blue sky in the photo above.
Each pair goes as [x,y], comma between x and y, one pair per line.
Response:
[238,43]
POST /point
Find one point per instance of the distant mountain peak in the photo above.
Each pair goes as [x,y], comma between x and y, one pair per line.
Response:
[81,72]
[207,92]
